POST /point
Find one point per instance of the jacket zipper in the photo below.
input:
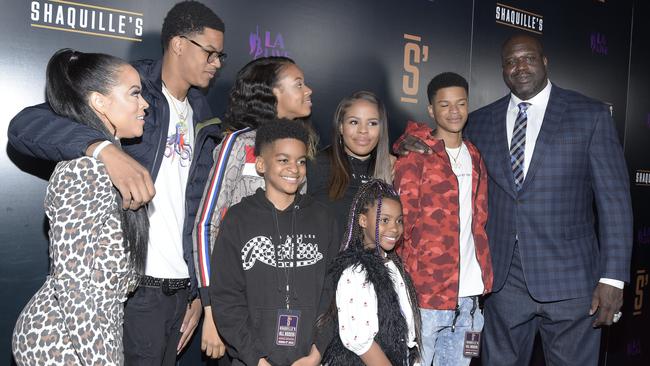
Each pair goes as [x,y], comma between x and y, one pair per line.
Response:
[160,140]
[457,308]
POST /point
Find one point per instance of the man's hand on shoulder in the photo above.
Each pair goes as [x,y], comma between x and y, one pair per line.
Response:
[411,143]
[129,177]
[606,301]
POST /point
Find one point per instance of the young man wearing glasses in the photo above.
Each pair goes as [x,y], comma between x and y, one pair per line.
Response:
[167,168]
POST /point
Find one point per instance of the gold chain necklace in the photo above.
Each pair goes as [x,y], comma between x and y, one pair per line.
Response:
[454,160]
[181,115]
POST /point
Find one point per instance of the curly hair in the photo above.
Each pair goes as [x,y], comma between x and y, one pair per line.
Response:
[187,18]
[278,129]
[251,100]
[445,80]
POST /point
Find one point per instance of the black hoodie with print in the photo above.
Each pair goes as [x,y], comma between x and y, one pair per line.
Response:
[248,287]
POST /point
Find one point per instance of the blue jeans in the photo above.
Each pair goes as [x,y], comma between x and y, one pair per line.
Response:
[439,344]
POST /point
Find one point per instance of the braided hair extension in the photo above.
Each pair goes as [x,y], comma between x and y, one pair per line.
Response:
[377,216]
[373,193]
[369,194]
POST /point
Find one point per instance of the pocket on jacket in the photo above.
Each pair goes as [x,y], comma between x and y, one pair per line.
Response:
[263,323]
[579,231]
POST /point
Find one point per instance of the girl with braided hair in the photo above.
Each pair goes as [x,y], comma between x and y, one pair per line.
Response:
[375,312]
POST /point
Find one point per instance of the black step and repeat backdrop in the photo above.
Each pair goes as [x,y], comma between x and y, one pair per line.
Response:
[393,48]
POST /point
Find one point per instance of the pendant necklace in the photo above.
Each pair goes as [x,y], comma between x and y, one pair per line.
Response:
[180,112]
[455,164]
[178,143]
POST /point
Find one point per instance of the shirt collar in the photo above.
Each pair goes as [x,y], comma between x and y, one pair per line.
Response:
[540,99]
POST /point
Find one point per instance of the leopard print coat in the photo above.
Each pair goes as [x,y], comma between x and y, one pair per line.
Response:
[76,316]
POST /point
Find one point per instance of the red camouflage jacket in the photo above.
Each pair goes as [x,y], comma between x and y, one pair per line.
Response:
[429,194]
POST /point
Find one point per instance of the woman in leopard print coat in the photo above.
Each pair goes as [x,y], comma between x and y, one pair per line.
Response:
[96,248]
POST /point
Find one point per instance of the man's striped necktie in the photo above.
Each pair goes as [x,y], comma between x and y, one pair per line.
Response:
[518,145]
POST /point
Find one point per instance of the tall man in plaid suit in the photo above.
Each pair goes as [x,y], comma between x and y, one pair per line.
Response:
[551,154]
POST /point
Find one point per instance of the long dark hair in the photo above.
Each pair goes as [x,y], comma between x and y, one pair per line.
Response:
[251,101]
[372,194]
[71,77]
[340,165]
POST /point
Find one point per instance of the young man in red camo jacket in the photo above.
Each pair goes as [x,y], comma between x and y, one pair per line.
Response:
[445,249]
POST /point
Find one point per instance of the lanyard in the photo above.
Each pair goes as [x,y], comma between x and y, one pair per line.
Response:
[291,250]
[471,313]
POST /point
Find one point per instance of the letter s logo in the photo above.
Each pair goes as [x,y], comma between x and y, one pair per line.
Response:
[641,283]
[411,83]
[414,54]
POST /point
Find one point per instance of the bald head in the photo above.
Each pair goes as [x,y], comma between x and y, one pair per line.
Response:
[522,38]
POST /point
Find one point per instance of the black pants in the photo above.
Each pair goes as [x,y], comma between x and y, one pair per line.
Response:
[152,324]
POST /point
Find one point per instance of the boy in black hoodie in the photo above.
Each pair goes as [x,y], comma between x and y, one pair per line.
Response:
[269,260]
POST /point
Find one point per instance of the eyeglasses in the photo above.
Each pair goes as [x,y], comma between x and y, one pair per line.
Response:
[212,55]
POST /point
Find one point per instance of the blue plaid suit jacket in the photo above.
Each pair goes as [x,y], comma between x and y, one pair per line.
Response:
[577,169]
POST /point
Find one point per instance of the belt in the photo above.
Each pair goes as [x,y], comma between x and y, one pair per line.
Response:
[169,286]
